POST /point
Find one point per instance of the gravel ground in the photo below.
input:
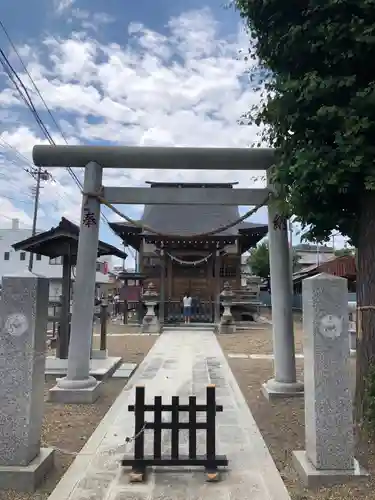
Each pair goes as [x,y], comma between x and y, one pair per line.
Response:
[132,348]
[282,423]
[68,427]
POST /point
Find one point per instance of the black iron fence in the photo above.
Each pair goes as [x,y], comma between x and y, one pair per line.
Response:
[201,311]
[210,461]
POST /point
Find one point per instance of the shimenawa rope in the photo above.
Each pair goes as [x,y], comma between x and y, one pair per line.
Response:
[220,229]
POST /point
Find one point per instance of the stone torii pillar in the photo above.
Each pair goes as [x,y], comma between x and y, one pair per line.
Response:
[78,386]
[284,383]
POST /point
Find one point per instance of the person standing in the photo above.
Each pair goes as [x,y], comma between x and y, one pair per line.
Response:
[116,304]
[187,300]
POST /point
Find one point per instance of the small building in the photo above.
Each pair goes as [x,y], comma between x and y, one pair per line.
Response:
[48,248]
[312,255]
[344,266]
[185,251]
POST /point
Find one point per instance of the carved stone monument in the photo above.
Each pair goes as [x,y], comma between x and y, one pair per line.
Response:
[329,455]
[227,324]
[23,314]
[150,323]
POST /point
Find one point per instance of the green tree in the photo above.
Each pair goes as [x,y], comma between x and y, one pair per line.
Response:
[344,251]
[316,61]
[259,260]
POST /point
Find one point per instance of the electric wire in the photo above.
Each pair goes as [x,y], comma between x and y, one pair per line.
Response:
[14,77]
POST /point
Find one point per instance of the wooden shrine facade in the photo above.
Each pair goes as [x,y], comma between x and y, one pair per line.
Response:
[177,262]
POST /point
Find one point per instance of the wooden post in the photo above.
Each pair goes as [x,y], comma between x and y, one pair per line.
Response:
[64,320]
[163,256]
[125,312]
[103,326]
[193,427]
[175,428]
[170,290]
[158,426]
[217,287]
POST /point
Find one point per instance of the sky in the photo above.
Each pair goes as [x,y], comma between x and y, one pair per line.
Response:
[164,73]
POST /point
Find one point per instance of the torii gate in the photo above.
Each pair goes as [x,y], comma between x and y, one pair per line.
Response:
[78,385]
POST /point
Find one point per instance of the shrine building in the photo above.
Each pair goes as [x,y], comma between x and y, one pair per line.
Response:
[180,259]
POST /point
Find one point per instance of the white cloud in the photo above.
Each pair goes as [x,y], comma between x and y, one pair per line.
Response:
[90,20]
[179,88]
[62,6]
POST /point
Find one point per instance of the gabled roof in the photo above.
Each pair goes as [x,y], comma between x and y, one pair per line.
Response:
[344,266]
[183,221]
[62,240]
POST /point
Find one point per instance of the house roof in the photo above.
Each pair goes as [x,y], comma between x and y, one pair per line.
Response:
[62,240]
[344,266]
[186,220]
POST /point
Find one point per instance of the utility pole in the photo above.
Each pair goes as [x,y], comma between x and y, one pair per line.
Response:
[40,175]
[35,217]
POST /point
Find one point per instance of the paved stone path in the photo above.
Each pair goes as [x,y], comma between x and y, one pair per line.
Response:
[179,363]
[258,356]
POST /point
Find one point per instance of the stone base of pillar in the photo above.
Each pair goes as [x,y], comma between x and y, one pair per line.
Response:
[101,369]
[314,478]
[150,324]
[277,390]
[68,391]
[227,325]
[27,478]
[98,354]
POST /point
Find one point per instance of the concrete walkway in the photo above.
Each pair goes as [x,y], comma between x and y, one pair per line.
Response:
[180,363]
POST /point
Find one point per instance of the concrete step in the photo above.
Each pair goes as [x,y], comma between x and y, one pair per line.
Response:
[190,326]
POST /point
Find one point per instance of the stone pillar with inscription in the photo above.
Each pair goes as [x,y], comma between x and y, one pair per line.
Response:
[78,386]
[284,383]
[329,455]
[24,317]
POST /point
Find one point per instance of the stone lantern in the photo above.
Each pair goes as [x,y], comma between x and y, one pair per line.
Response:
[150,323]
[227,324]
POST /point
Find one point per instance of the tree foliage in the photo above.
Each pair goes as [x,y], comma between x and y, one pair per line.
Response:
[316,64]
[259,260]
[319,110]
[344,251]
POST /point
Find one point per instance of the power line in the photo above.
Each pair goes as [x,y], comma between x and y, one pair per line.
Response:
[31,79]
[25,160]
[18,83]
[20,157]
[14,77]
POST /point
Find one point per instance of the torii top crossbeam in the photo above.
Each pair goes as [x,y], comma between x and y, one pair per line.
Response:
[155,157]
